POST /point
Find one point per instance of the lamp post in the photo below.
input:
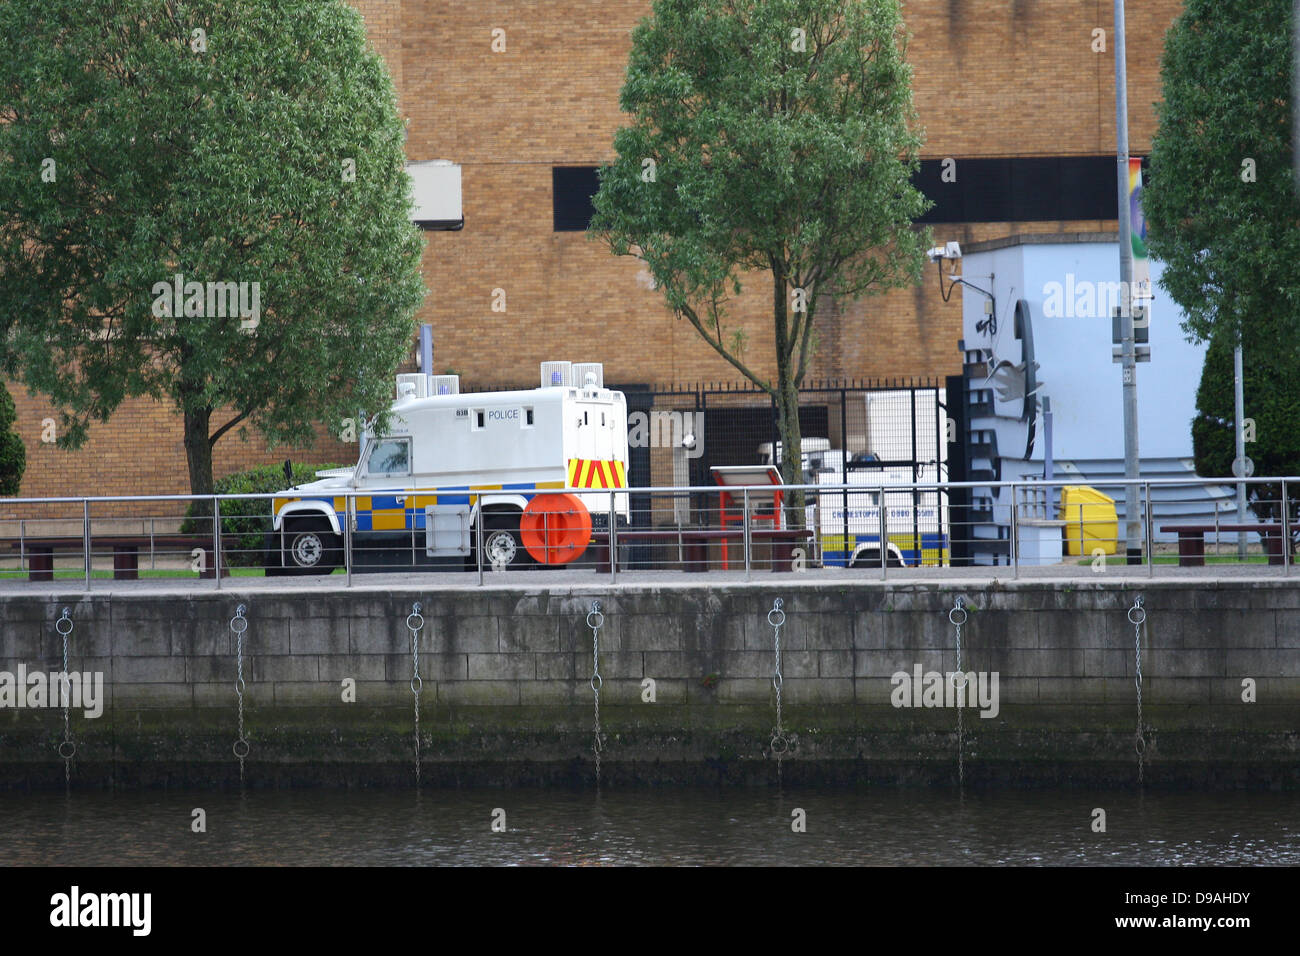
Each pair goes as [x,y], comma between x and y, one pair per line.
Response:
[1132,531]
[1239,465]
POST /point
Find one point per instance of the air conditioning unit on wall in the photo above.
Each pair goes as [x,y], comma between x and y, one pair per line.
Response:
[435,191]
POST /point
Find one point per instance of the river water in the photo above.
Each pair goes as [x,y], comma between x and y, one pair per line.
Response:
[651,827]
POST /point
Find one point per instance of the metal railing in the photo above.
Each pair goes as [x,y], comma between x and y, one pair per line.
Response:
[884,528]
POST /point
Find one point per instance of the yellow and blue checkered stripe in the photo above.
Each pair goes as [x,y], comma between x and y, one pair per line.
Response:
[404,510]
[933,550]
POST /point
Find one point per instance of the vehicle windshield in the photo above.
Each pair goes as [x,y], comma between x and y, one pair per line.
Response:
[389,456]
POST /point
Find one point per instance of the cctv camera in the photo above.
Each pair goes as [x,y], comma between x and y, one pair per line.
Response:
[952,251]
[935,253]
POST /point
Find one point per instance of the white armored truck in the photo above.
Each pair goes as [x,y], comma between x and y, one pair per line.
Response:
[450,462]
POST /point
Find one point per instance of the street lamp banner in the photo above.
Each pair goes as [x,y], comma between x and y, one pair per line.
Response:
[1138,233]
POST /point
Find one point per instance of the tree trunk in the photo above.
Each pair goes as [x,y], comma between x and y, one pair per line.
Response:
[787,416]
[787,401]
[198,455]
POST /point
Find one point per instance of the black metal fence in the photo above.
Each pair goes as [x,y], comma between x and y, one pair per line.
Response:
[880,431]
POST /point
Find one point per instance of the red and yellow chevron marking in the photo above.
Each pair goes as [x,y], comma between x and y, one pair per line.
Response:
[593,473]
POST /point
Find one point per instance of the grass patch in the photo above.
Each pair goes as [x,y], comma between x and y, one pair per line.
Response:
[178,573]
[1172,559]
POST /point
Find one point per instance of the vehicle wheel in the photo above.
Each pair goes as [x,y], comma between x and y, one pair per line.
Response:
[271,556]
[311,547]
[871,560]
[502,546]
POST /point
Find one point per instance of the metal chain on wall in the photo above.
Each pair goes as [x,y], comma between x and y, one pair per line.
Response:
[957,617]
[415,624]
[780,743]
[1137,616]
[68,748]
[595,621]
[238,625]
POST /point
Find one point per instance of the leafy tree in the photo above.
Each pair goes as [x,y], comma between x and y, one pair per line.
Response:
[1272,391]
[215,140]
[1222,214]
[766,136]
[13,455]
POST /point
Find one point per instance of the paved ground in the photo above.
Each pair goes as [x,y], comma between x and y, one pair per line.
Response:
[587,580]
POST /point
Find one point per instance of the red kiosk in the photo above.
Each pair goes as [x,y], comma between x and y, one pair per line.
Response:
[764,505]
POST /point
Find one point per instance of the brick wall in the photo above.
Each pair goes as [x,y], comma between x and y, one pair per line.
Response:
[140,451]
[991,78]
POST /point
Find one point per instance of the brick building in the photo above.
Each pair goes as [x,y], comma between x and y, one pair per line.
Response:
[1018,92]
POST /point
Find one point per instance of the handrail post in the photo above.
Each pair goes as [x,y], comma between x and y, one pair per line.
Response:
[1150,530]
[884,540]
[613,542]
[216,540]
[347,538]
[1286,531]
[85,536]
[745,527]
[1015,535]
[478,533]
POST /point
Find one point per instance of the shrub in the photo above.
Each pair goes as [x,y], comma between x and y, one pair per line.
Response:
[250,519]
[1271,384]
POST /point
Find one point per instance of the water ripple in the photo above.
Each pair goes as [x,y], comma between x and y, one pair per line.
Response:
[653,828]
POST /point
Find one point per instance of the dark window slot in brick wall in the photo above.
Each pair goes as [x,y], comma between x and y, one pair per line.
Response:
[1006,189]
[572,188]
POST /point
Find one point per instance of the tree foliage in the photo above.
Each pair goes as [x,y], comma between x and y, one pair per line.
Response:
[142,139]
[1221,207]
[1272,394]
[13,454]
[766,136]
[1222,214]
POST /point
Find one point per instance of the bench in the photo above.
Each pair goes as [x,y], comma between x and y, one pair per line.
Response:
[126,552]
[1191,540]
[694,543]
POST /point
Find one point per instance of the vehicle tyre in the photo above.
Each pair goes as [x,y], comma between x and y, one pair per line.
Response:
[502,546]
[271,555]
[871,559]
[311,547]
